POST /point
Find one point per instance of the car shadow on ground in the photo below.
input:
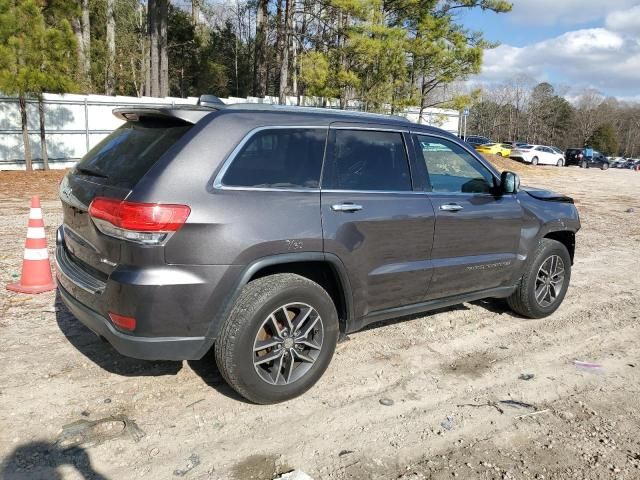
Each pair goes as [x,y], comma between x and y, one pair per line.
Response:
[106,357]
[207,370]
[102,353]
[40,461]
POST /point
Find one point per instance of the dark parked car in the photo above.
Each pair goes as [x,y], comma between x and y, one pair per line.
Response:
[264,232]
[631,164]
[586,158]
[476,140]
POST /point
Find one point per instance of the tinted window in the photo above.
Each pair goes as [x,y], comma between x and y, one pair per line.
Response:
[452,169]
[131,150]
[279,158]
[367,160]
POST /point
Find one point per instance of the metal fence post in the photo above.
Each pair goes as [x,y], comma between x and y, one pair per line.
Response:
[86,123]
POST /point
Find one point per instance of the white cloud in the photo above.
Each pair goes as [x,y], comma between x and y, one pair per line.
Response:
[596,57]
[624,20]
[565,12]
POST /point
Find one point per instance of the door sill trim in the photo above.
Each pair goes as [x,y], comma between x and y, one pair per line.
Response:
[397,312]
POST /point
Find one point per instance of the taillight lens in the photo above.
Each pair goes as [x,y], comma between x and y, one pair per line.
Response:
[148,223]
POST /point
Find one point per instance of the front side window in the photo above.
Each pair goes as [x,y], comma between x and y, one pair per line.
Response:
[279,158]
[452,169]
[367,160]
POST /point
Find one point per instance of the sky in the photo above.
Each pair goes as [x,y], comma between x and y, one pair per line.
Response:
[569,43]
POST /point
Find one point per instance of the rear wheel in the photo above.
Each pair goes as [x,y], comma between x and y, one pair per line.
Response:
[499,154]
[278,339]
[534,161]
[583,164]
[544,282]
[604,166]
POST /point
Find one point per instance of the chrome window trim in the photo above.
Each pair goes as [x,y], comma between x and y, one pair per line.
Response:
[376,129]
[385,192]
[217,182]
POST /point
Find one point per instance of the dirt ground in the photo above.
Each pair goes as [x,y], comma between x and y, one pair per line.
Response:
[72,408]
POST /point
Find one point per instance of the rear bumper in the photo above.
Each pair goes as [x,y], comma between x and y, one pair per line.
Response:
[147,348]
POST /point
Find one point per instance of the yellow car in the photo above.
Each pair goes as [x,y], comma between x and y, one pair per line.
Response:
[494,148]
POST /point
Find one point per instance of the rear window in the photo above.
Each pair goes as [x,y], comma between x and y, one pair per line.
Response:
[279,158]
[128,153]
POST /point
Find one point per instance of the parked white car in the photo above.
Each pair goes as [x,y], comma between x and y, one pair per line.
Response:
[538,155]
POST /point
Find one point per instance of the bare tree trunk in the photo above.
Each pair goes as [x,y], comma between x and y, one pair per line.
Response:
[195,12]
[260,65]
[154,58]
[110,78]
[284,63]
[86,40]
[294,56]
[82,75]
[163,15]
[43,138]
[25,132]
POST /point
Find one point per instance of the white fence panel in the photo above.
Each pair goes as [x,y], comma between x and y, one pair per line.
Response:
[76,123]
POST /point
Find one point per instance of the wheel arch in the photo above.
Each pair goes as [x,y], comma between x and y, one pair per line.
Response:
[566,237]
[323,268]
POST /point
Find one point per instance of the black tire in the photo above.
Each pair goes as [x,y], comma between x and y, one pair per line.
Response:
[534,161]
[560,163]
[523,300]
[584,164]
[234,347]
[604,166]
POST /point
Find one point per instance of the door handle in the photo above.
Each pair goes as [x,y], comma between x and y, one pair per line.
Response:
[451,207]
[345,207]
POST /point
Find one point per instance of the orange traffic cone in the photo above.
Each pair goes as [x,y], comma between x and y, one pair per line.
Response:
[36,269]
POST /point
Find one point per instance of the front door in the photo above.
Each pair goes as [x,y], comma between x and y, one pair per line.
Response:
[373,219]
[477,230]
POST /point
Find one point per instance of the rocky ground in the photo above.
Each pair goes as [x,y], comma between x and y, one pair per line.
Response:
[469,392]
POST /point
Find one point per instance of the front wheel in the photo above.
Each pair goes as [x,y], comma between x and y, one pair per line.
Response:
[278,339]
[583,164]
[604,166]
[560,162]
[534,161]
[544,282]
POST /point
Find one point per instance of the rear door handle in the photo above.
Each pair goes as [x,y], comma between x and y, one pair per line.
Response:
[345,207]
[451,207]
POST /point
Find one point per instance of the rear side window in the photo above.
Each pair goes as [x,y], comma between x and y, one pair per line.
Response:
[128,153]
[367,160]
[279,158]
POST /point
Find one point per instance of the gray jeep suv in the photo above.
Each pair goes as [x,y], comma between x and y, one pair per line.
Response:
[264,232]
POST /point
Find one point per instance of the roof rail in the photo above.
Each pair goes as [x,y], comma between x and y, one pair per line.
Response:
[299,109]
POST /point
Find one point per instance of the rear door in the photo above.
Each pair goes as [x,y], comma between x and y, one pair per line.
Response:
[477,231]
[373,219]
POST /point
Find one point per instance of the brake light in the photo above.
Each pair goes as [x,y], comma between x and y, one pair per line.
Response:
[123,322]
[148,223]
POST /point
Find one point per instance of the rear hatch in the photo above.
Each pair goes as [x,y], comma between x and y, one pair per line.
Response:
[112,169]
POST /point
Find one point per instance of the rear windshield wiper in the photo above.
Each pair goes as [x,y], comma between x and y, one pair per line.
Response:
[91,172]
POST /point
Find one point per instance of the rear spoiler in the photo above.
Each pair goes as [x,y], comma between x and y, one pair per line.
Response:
[185,113]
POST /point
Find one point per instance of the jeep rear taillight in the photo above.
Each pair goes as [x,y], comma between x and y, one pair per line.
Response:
[147,223]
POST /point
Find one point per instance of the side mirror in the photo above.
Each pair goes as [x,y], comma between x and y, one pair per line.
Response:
[509,182]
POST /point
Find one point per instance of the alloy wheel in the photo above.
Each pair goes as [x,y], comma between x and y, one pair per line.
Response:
[288,343]
[549,281]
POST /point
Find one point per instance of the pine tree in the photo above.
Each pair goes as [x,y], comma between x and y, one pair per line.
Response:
[35,57]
